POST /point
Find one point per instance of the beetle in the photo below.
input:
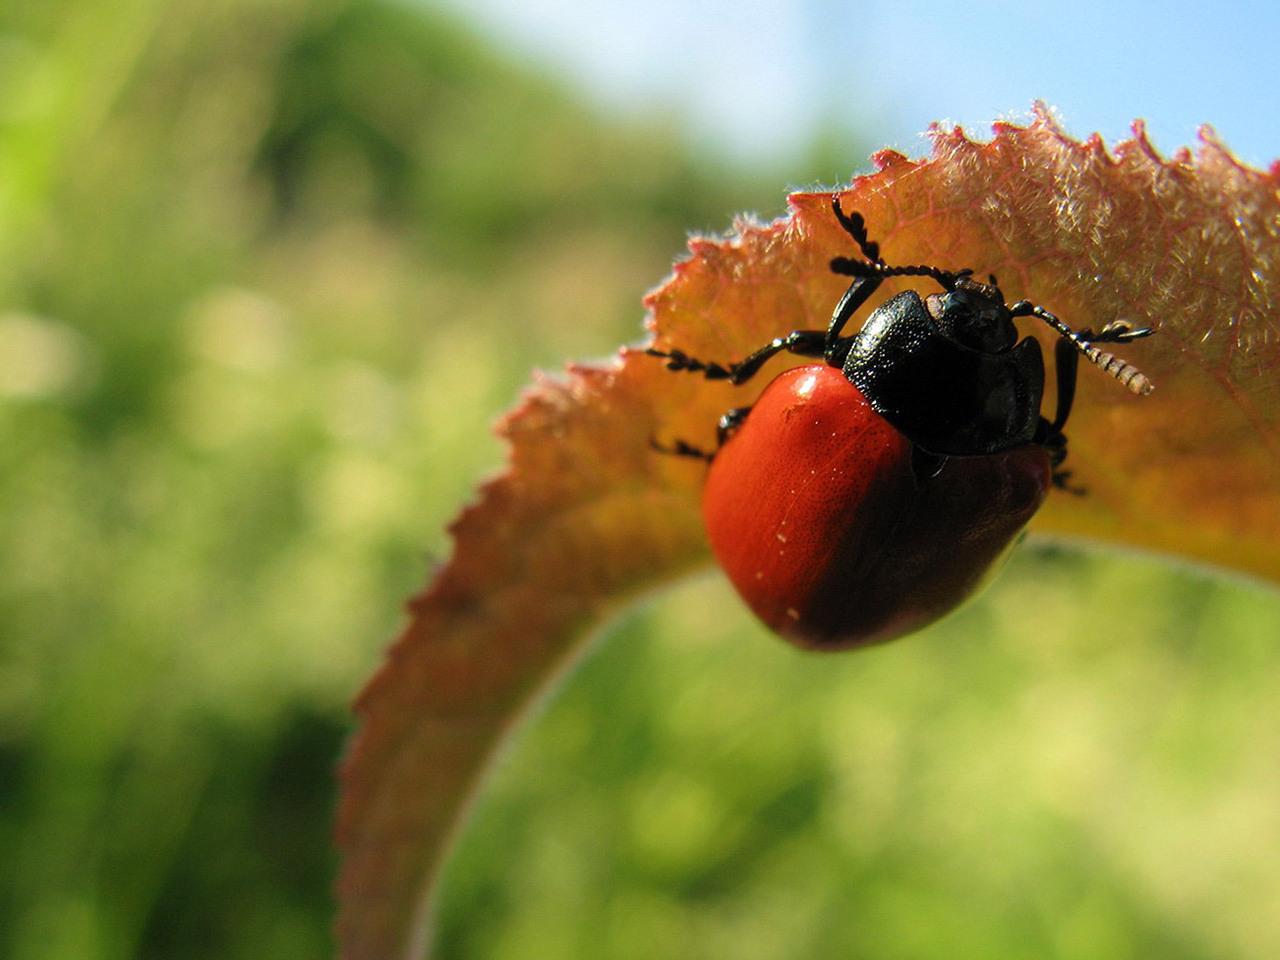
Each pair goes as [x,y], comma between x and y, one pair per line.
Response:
[865,496]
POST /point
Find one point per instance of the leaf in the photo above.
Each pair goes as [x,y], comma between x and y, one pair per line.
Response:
[586,516]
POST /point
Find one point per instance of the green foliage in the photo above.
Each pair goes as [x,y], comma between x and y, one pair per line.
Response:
[1019,781]
[267,274]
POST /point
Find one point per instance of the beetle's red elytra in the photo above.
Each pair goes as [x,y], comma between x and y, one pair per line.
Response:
[818,515]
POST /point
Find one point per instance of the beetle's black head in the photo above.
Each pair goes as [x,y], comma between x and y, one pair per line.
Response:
[974,314]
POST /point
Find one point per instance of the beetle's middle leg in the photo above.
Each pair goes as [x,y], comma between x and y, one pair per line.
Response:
[729,422]
[1066,359]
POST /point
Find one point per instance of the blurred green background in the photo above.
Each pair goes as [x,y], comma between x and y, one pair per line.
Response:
[266,274]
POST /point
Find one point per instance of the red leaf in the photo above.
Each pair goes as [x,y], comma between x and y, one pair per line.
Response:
[587,516]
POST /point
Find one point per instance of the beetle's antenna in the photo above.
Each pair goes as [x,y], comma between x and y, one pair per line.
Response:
[849,267]
[856,227]
[1122,370]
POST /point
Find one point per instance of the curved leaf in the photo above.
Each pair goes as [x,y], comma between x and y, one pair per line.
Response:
[586,515]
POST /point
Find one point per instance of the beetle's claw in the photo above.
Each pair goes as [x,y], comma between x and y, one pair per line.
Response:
[1062,481]
[679,448]
[1122,331]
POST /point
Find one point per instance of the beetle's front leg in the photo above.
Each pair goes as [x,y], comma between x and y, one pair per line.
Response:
[730,421]
[804,343]
[679,448]
[836,348]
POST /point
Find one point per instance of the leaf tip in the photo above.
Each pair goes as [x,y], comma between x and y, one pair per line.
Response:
[1212,145]
[1143,142]
[887,159]
[1042,114]
[944,134]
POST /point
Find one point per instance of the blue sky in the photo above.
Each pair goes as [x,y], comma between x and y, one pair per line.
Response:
[755,79]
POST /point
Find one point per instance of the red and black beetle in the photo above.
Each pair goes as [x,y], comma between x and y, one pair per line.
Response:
[864,497]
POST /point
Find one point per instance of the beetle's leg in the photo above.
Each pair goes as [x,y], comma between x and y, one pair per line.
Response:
[836,348]
[1062,480]
[729,423]
[679,360]
[1066,357]
[1118,331]
[678,448]
[804,343]
[1066,361]
[1049,433]
[1055,443]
